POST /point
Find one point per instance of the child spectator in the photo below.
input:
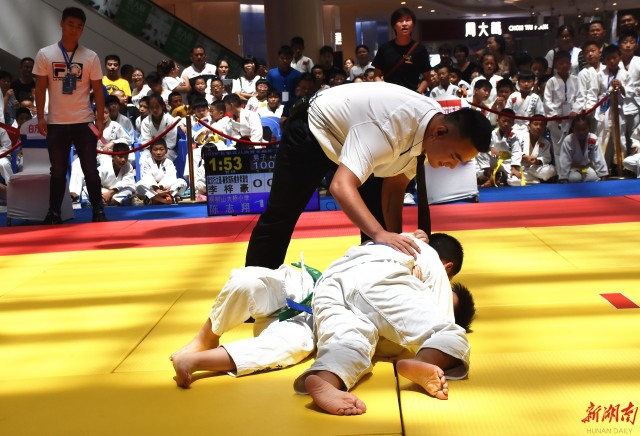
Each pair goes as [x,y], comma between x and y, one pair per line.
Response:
[581,158]
[274,108]
[157,122]
[258,101]
[539,67]
[117,178]
[5,162]
[524,102]
[480,97]
[159,183]
[536,152]
[505,152]
[198,90]
[488,67]
[300,62]
[114,105]
[143,107]
[628,43]
[11,104]
[112,79]
[445,88]
[586,98]
[318,75]
[199,133]
[245,124]
[369,74]
[338,77]
[455,79]
[609,78]
[217,92]
[559,94]
[176,105]
[113,133]
[171,80]
[222,123]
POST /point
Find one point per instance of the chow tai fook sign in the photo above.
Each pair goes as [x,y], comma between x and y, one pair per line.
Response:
[443,30]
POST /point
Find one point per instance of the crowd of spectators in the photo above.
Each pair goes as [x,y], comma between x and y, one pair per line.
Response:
[564,82]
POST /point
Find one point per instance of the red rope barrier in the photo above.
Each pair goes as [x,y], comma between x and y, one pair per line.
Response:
[554,118]
[14,134]
[141,146]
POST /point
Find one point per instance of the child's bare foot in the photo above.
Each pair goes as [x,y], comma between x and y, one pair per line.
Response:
[430,377]
[183,370]
[331,399]
[204,340]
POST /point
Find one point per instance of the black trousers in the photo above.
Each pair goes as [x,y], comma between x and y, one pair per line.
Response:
[60,137]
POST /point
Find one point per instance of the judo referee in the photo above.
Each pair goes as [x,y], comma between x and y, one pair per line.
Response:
[361,130]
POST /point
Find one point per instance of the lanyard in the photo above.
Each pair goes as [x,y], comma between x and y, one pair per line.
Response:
[67,59]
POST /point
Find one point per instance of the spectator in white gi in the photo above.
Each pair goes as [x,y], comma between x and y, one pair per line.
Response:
[581,158]
[159,182]
[536,153]
[505,153]
[445,88]
[118,178]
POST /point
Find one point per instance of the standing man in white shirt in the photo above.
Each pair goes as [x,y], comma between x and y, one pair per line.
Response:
[69,71]
[199,66]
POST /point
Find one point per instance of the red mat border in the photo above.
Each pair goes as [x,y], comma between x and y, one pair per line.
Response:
[450,217]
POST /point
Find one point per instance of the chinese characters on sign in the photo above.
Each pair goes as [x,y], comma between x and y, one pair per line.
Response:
[611,413]
[475,29]
[239,181]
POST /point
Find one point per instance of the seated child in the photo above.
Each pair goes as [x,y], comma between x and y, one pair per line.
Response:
[258,101]
[245,124]
[159,183]
[221,122]
[455,79]
[536,153]
[273,108]
[505,153]
[117,178]
[581,158]
[113,133]
[524,102]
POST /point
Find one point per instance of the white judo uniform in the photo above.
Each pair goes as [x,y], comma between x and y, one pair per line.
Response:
[603,114]
[159,174]
[124,181]
[370,294]
[113,132]
[542,150]
[261,293]
[509,154]
[558,99]
[524,107]
[149,130]
[5,162]
[576,165]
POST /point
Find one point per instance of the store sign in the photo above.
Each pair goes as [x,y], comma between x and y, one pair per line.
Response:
[473,29]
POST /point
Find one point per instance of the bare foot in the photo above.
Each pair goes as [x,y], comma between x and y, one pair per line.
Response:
[331,399]
[204,340]
[183,370]
[430,377]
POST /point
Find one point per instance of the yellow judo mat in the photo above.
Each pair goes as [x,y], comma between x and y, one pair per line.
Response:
[85,339]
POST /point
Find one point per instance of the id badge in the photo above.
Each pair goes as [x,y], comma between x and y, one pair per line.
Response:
[285,96]
[69,84]
[566,108]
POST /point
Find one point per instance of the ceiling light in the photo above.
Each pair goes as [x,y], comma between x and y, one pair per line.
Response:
[420,7]
[432,11]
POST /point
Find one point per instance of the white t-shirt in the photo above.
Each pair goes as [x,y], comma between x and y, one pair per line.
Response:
[242,84]
[372,127]
[68,108]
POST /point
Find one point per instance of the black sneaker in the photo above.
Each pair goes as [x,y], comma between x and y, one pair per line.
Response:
[99,216]
[52,218]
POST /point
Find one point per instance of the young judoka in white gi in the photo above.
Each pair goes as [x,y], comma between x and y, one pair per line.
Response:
[536,153]
[581,158]
[159,182]
[559,94]
[245,124]
[445,88]
[112,134]
[610,77]
[117,178]
[370,294]
[505,153]
[260,293]
[5,162]
[524,102]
